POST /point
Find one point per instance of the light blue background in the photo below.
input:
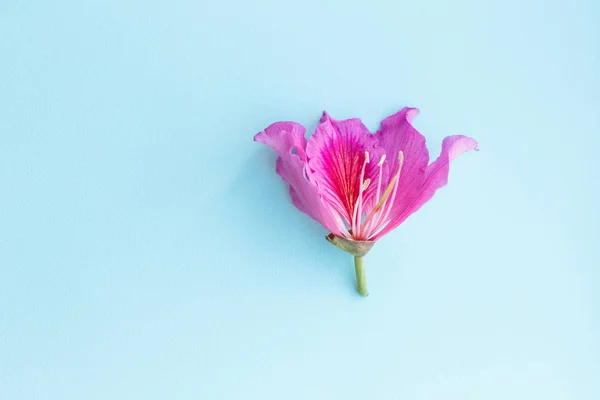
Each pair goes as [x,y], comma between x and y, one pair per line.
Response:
[148,250]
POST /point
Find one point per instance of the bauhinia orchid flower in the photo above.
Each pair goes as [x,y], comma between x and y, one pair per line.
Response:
[359,185]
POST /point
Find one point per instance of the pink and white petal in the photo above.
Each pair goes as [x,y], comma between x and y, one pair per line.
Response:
[397,134]
[436,176]
[287,139]
[336,154]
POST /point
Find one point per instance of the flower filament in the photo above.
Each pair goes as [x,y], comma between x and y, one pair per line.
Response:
[376,218]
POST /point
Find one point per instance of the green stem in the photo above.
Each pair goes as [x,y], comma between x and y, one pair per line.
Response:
[361,278]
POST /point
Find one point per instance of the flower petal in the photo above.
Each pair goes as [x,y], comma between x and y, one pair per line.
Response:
[398,134]
[336,154]
[287,139]
[284,137]
[436,176]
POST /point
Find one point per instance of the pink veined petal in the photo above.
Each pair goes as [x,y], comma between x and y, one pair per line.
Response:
[398,134]
[287,139]
[336,154]
[436,176]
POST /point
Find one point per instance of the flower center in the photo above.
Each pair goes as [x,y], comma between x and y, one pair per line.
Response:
[377,217]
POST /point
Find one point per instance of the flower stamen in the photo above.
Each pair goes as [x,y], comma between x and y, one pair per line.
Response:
[366,184]
[390,204]
[358,206]
[380,165]
[383,203]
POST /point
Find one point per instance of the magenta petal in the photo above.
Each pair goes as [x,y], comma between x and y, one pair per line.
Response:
[287,139]
[436,176]
[336,154]
[398,134]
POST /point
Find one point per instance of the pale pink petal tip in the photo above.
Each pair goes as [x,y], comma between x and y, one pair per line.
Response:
[411,114]
[325,117]
[457,145]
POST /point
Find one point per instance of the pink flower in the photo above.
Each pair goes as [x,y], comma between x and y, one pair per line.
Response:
[360,185]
